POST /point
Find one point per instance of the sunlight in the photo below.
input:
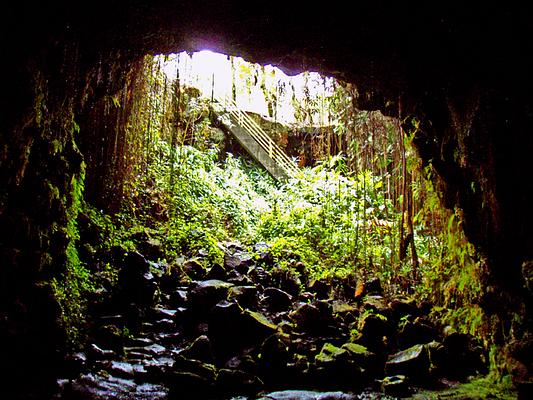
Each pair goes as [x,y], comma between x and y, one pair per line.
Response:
[267,90]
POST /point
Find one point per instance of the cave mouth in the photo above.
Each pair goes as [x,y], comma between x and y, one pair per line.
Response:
[218,277]
[69,94]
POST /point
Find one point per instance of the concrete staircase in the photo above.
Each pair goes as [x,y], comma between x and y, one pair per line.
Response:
[254,139]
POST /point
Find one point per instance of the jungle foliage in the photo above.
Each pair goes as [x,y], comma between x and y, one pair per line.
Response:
[366,208]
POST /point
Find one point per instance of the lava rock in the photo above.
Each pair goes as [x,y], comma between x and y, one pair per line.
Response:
[276,299]
[135,281]
[413,362]
[199,349]
[206,294]
[194,268]
[397,386]
[240,261]
[246,296]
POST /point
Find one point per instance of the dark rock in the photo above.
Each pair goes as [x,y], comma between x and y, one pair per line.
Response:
[234,380]
[312,318]
[377,304]
[232,329]
[336,368]
[96,353]
[206,294]
[418,331]
[276,299]
[246,296]
[396,386]
[217,271]
[194,268]
[364,358]
[274,356]
[413,362]
[402,308]
[260,276]
[321,288]
[373,328]
[185,384]
[240,261]
[200,349]
[135,281]
[196,367]
[178,298]
[263,254]
[110,337]
[287,280]
[460,356]
[307,395]
[373,286]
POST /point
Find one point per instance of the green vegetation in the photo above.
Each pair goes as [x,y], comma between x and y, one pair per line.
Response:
[366,208]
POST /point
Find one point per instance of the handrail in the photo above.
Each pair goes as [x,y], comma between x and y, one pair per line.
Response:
[275,152]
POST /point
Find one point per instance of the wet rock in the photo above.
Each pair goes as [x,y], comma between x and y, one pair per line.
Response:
[178,298]
[232,329]
[377,304]
[274,358]
[276,299]
[403,308]
[125,370]
[310,318]
[217,271]
[287,280]
[260,276]
[194,268]
[105,386]
[246,296]
[186,384]
[237,381]
[206,294]
[135,281]
[413,362]
[110,337]
[396,386]
[373,328]
[199,349]
[307,395]
[417,331]
[239,261]
[336,368]
[460,356]
[96,353]
[196,367]
[321,288]
[263,255]
[364,358]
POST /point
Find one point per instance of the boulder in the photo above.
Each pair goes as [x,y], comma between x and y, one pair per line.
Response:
[234,380]
[135,281]
[309,318]
[321,288]
[245,296]
[194,268]
[206,294]
[276,299]
[396,386]
[217,271]
[232,329]
[418,331]
[199,349]
[336,368]
[373,328]
[239,260]
[413,362]
[307,395]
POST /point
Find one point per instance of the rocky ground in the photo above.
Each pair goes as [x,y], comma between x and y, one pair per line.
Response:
[250,329]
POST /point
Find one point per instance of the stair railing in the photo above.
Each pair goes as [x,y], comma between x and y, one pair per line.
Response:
[275,152]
